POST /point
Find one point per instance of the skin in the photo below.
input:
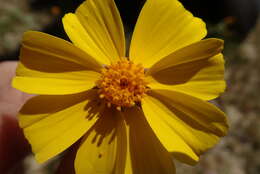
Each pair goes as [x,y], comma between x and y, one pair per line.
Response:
[13,145]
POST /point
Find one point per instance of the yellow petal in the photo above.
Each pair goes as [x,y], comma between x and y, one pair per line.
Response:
[163,27]
[52,86]
[146,152]
[172,141]
[128,164]
[196,123]
[203,79]
[103,150]
[53,123]
[203,49]
[97,29]
[49,65]
[56,71]
[41,50]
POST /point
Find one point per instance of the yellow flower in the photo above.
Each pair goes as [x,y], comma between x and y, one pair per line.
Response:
[132,114]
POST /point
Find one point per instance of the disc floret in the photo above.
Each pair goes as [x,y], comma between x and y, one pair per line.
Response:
[122,84]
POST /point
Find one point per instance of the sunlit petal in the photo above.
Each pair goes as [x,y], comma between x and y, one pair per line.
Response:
[53,123]
[193,124]
[147,154]
[163,27]
[203,79]
[96,28]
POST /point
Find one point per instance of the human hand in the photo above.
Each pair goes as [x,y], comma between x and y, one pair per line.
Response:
[13,145]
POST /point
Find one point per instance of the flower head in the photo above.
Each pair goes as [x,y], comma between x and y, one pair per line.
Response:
[130,114]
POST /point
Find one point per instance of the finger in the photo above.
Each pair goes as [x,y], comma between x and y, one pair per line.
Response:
[11,99]
[13,145]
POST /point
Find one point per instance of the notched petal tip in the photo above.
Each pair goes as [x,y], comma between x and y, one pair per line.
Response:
[184,158]
[218,44]
[170,28]
[96,28]
[196,124]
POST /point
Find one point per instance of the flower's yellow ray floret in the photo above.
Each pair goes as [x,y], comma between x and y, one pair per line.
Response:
[122,84]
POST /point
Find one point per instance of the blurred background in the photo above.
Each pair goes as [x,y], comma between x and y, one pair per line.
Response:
[235,21]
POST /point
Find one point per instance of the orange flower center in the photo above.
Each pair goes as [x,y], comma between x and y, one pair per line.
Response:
[122,84]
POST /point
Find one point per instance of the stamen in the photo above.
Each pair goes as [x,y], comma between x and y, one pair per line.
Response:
[118,108]
[122,84]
